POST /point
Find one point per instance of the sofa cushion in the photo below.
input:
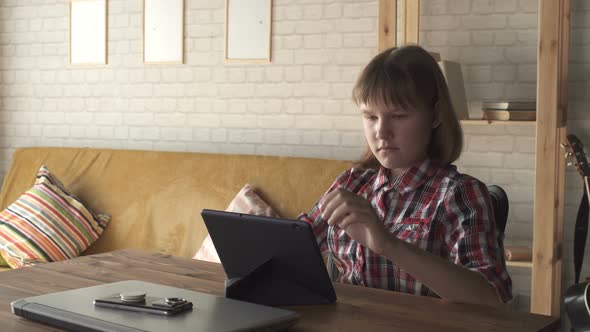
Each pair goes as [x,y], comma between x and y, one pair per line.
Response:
[46,224]
[246,201]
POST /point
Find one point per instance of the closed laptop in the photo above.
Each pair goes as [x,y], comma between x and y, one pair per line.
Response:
[75,310]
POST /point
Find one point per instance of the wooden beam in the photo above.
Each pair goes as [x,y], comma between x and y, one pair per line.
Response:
[547,230]
[564,42]
[411,21]
[558,237]
[387,24]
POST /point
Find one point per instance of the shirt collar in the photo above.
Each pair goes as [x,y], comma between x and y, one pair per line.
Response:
[408,181]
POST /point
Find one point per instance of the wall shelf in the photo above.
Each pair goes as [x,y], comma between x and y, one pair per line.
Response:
[496,122]
[520,264]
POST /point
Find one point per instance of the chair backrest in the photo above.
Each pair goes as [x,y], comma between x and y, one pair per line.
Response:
[500,206]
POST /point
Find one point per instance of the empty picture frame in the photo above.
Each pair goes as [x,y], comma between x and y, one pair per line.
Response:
[248,30]
[163,31]
[88,32]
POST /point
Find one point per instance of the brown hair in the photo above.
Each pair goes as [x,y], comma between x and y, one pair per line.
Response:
[408,77]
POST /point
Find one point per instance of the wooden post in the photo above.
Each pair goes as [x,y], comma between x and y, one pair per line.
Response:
[549,169]
[411,21]
[387,24]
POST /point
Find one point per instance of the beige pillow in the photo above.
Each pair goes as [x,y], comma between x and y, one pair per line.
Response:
[246,201]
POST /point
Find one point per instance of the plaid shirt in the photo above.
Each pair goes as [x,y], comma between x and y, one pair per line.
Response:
[436,209]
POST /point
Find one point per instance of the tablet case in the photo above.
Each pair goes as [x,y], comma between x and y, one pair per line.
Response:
[268,260]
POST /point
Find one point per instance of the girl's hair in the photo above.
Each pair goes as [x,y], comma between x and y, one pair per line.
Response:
[408,77]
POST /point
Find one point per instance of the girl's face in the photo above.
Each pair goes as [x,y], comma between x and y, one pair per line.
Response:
[397,137]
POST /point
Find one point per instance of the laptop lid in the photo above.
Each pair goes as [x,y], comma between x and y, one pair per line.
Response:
[74,310]
[268,260]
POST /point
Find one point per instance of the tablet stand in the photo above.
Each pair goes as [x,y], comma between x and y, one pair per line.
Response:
[262,286]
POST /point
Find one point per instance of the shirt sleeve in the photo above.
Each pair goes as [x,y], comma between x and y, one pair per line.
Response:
[314,218]
[472,238]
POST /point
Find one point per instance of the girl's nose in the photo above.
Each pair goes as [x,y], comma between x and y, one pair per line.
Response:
[384,130]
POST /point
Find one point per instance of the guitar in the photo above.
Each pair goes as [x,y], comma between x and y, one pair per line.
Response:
[576,298]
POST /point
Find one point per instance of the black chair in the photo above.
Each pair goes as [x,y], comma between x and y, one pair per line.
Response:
[500,206]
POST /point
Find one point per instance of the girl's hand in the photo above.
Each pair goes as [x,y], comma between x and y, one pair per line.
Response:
[355,215]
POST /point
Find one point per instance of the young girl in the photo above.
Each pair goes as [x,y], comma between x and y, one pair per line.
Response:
[403,218]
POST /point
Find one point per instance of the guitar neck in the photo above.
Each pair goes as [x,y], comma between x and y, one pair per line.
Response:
[587,187]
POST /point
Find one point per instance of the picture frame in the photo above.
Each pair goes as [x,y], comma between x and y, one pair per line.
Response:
[248,30]
[88,32]
[163,31]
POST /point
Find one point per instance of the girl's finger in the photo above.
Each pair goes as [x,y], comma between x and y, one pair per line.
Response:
[331,201]
[339,213]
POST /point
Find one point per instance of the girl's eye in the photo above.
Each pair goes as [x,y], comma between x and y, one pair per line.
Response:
[399,116]
[371,117]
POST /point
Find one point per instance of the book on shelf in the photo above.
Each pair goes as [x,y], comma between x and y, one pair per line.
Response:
[509,115]
[509,105]
[454,77]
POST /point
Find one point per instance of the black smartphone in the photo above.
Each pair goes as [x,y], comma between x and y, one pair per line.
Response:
[149,304]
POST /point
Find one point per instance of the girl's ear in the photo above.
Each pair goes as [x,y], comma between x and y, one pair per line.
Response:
[436,116]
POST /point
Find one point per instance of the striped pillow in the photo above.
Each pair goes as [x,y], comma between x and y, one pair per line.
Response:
[47,224]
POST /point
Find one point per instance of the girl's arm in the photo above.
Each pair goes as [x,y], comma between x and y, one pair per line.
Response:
[450,281]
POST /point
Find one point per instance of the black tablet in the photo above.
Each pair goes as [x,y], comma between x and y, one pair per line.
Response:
[270,261]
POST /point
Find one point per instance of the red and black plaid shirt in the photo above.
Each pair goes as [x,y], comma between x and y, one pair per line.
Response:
[435,208]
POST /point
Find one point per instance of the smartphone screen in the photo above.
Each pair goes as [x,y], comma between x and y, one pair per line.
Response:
[153,305]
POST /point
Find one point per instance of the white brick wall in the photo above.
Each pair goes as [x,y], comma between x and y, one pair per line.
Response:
[297,105]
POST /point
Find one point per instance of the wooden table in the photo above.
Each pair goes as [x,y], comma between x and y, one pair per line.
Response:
[357,308]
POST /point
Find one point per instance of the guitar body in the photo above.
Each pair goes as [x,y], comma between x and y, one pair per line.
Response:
[576,306]
[580,234]
[576,296]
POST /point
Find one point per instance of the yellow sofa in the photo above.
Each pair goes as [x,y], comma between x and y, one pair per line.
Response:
[155,198]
